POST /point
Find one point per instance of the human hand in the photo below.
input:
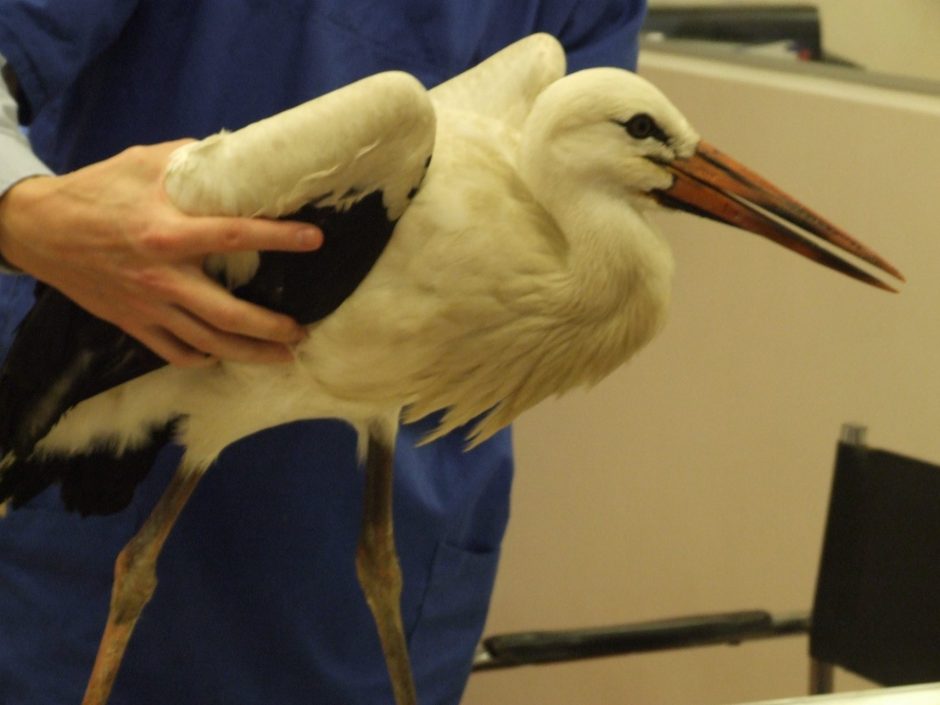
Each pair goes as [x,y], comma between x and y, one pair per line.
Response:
[108,237]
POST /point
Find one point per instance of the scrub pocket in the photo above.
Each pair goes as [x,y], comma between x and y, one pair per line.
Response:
[451,621]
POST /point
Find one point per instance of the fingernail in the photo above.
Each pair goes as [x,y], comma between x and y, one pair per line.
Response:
[310,238]
[300,335]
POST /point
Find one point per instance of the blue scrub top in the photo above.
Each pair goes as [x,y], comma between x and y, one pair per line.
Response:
[258,600]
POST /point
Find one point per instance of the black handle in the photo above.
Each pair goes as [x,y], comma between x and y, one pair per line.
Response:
[506,650]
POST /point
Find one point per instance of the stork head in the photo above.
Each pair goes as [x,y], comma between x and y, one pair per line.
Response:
[611,130]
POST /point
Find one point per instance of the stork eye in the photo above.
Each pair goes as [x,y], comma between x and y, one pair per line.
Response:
[641,126]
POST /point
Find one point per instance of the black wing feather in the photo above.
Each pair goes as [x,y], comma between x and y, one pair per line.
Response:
[309,286]
[98,482]
[63,355]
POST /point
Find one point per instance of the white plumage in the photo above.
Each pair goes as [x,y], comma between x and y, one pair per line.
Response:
[523,267]
[511,276]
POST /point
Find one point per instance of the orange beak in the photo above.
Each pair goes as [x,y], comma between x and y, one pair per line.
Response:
[713,185]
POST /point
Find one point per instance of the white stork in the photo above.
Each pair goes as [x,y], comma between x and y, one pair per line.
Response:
[523,266]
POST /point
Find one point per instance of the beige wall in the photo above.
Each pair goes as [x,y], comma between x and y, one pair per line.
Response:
[888,36]
[696,478]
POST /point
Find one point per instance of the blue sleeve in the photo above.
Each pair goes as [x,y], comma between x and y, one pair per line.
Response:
[603,33]
[49,42]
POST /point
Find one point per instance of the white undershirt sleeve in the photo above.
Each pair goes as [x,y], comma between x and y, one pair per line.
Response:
[17,160]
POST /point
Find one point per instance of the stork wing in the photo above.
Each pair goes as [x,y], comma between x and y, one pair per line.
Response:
[505,85]
[370,144]
[349,161]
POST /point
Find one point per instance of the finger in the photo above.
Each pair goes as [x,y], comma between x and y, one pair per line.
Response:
[167,148]
[187,287]
[138,317]
[202,235]
[215,305]
[223,345]
[171,348]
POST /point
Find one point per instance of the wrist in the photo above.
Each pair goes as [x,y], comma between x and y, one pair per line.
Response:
[16,205]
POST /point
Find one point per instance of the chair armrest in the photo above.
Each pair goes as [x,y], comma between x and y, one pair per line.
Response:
[527,648]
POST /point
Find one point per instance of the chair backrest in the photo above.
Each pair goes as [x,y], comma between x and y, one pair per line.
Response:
[877,605]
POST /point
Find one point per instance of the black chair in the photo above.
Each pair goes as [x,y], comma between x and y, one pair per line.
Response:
[876,611]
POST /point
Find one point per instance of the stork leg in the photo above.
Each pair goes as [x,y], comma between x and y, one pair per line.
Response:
[135,580]
[378,569]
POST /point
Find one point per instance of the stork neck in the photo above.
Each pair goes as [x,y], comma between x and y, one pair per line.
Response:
[618,276]
[615,254]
